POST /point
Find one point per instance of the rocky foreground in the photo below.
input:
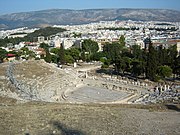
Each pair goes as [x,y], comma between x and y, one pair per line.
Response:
[89,119]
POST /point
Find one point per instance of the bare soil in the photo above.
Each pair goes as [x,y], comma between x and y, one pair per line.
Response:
[40,118]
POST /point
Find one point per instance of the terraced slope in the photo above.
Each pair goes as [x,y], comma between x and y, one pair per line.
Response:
[36,80]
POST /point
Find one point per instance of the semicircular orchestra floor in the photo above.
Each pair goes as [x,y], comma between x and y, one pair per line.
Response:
[95,95]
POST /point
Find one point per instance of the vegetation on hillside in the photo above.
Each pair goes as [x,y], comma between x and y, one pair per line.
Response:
[46,32]
[153,64]
[120,28]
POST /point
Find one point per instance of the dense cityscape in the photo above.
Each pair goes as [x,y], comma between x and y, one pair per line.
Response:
[135,32]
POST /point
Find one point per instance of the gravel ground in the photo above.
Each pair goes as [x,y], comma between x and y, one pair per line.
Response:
[88,119]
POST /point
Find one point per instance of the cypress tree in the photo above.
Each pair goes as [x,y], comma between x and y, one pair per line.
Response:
[172,55]
[122,40]
[152,63]
[48,56]
[177,66]
[61,55]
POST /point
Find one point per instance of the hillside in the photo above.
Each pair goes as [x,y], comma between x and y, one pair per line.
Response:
[47,112]
[72,119]
[66,16]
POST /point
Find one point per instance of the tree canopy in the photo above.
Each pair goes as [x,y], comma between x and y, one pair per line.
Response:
[152,63]
[46,32]
[122,40]
[164,71]
[3,54]
[90,46]
[61,55]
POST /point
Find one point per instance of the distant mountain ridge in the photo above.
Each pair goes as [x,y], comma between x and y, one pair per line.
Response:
[67,16]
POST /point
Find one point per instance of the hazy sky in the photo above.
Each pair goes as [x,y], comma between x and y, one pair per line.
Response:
[11,6]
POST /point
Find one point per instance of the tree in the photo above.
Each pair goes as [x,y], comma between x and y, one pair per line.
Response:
[48,57]
[127,63]
[55,50]
[164,71]
[48,31]
[118,63]
[122,40]
[97,56]
[177,66]
[25,52]
[44,46]
[31,54]
[113,52]
[172,55]
[90,46]
[54,58]
[83,56]
[3,54]
[69,59]
[137,68]
[152,63]
[105,61]
[74,53]
[61,55]
[76,35]
[162,56]
[139,60]
[137,52]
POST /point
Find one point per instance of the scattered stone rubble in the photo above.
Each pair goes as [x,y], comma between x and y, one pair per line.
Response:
[144,93]
[161,94]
